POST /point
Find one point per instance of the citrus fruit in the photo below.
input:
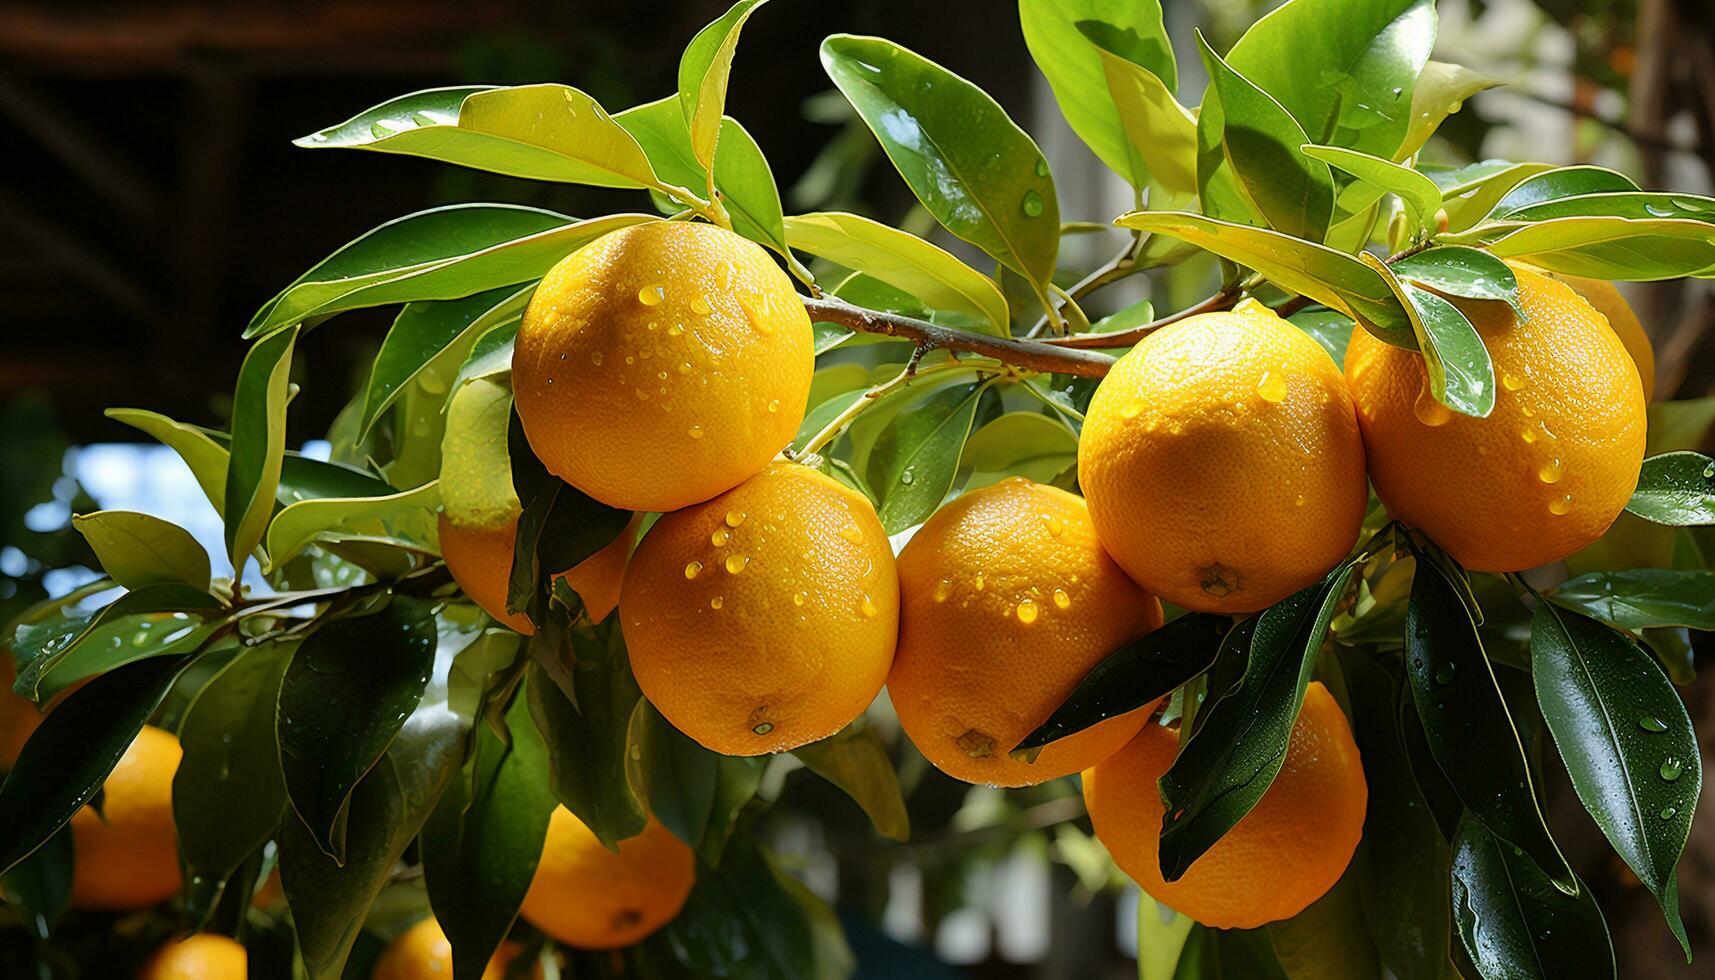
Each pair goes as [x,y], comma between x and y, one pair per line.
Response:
[1551,466]
[480,510]
[587,896]
[422,952]
[1607,300]
[1222,462]
[765,618]
[1284,854]
[127,856]
[204,956]
[1006,602]
[662,364]
[18,715]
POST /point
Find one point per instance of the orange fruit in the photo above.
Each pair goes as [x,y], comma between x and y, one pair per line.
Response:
[479,512]
[1006,602]
[587,896]
[204,956]
[422,952]
[130,859]
[1284,854]
[18,715]
[662,364]
[1222,462]
[1607,300]
[765,618]
[1549,469]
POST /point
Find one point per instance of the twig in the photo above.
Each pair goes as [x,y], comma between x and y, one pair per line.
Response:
[1223,300]
[1031,355]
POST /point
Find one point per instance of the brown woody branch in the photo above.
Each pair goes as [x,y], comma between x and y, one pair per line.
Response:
[1029,354]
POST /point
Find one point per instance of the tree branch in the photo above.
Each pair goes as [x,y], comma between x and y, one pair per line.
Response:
[1223,300]
[1029,354]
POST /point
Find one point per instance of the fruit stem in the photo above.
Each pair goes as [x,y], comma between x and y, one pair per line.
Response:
[909,373]
[1033,355]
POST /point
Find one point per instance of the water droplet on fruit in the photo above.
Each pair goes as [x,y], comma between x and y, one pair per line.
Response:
[943,589]
[716,602]
[1671,768]
[1650,723]
[1511,381]
[595,358]
[720,537]
[1551,471]
[977,583]
[1527,411]
[734,518]
[799,598]
[851,533]
[1032,204]
[868,607]
[652,295]
[693,568]
[676,330]
[736,563]
[1561,505]
[1298,501]
[1027,611]
[1054,524]
[1061,599]
[1130,410]
[695,432]
[774,407]
[1528,435]
[1429,411]
[1272,388]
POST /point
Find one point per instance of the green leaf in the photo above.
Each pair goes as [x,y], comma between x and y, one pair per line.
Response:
[1441,90]
[1057,33]
[424,331]
[137,549]
[1240,738]
[1602,247]
[349,687]
[1161,131]
[1161,936]
[1460,271]
[40,885]
[537,132]
[229,792]
[703,72]
[1345,69]
[483,840]
[1514,921]
[1328,940]
[490,356]
[1677,489]
[1627,742]
[1461,375]
[1634,204]
[917,456]
[1417,191]
[1469,729]
[742,175]
[442,253]
[258,443]
[1144,670]
[205,458]
[559,527]
[1551,185]
[1260,140]
[673,775]
[979,174]
[1334,279]
[1027,444]
[64,763]
[586,738]
[1331,329]
[1470,193]
[330,901]
[406,519]
[1643,598]
[54,654]
[901,260]
[855,760]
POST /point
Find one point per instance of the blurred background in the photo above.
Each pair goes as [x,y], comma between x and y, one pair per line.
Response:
[154,200]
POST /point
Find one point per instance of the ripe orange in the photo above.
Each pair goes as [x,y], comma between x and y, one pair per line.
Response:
[18,716]
[204,956]
[479,512]
[765,618]
[587,896]
[1286,852]
[662,364]
[1550,468]
[130,859]
[1222,462]
[422,952]
[1607,300]
[1006,602]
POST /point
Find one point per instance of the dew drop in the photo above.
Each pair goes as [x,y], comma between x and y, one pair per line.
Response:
[799,598]
[1298,501]
[907,478]
[1130,410]
[1650,723]
[943,589]
[774,407]
[851,533]
[695,432]
[1659,211]
[1709,472]
[1671,768]
[1561,505]
[1032,204]
[1528,435]
[684,367]
[1054,524]
[1527,411]
[720,537]
[1668,812]
[652,295]
[1041,167]
[868,607]
[1061,599]
[1551,471]
[1272,388]
[693,568]
[1027,611]
[736,563]
[595,358]
[676,330]
[977,583]
[734,518]
[1444,674]
[1511,381]
[716,602]
[1429,411]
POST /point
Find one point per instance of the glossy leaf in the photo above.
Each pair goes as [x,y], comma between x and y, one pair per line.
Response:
[259,443]
[1330,329]
[1551,185]
[856,761]
[916,457]
[490,356]
[673,775]
[979,174]
[1514,921]
[1460,271]
[1161,131]
[350,686]
[1027,444]
[1627,742]
[136,549]
[559,527]
[1161,937]
[40,885]
[229,792]
[205,458]
[1240,738]
[1144,670]
[1260,139]
[483,840]
[424,331]
[1441,90]
[1633,204]
[1461,375]
[1334,279]
[703,72]
[1470,732]
[1677,489]
[78,743]
[1470,193]
[406,519]
[586,739]
[149,621]
[1056,33]
[1643,598]
[1417,191]
[902,260]
[1611,248]
[1328,940]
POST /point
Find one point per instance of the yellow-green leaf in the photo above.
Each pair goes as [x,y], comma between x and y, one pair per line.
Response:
[407,518]
[138,549]
[258,442]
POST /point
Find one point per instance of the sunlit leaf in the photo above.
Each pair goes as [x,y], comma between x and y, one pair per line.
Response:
[1161,131]
[138,549]
[1460,271]
[1676,489]
[407,518]
[703,72]
[856,761]
[1417,191]
[1643,598]
[1561,182]
[1602,247]
[1461,375]
[1441,90]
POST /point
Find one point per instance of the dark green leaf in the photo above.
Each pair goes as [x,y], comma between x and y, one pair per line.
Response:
[258,442]
[1328,940]
[916,457]
[1643,598]
[423,331]
[1626,740]
[1144,670]
[351,684]
[54,654]
[1515,922]
[1331,329]
[586,738]
[1465,719]
[1676,489]
[1461,376]
[491,355]
[1461,271]
[1240,739]
[483,840]
[1552,185]
[559,527]
[855,760]
[64,763]
[695,793]
[40,885]
[979,174]
[137,549]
